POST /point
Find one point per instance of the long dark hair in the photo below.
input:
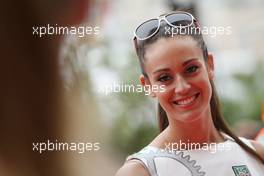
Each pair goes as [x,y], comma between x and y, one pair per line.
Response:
[217,116]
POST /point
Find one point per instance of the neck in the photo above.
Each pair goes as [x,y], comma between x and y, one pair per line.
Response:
[201,130]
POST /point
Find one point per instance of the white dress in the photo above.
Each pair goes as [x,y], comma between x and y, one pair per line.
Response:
[232,160]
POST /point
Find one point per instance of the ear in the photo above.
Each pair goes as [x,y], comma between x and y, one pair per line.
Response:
[146,83]
[210,67]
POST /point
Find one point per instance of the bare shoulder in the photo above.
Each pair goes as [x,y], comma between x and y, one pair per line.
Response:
[132,168]
[136,167]
[259,148]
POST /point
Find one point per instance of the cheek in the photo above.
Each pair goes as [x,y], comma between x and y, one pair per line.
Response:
[165,96]
[205,86]
[202,83]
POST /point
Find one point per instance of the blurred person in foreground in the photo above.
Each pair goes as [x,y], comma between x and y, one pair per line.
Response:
[31,93]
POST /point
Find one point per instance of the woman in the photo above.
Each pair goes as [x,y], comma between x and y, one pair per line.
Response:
[194,139]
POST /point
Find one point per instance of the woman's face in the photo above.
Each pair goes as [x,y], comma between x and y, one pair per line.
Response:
[178,64]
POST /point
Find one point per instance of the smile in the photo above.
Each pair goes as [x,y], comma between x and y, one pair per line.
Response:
[186,101]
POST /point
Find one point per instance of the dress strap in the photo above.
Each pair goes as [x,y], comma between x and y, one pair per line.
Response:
[147,159]
[244,140]
[247,142]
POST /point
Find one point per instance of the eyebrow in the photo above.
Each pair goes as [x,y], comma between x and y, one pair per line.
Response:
[188,61]
[167,69]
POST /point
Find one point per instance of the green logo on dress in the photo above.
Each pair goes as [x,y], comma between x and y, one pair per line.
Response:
[241,170]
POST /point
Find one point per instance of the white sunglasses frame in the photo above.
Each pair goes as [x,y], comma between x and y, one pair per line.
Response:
[163,17]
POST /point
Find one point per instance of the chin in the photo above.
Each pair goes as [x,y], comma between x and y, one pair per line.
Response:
[190,116]
[187,118]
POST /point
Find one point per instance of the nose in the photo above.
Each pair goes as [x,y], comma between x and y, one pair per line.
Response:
[181,85]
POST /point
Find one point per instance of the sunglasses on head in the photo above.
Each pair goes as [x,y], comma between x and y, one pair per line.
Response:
[176,19]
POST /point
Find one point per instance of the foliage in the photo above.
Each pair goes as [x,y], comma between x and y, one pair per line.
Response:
[250,107]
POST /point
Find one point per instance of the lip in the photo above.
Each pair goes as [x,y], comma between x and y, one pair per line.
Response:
[186,101]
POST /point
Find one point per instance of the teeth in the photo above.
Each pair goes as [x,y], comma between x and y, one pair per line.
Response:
[186,101]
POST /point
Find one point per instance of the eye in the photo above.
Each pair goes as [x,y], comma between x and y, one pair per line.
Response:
[192,69]
[164,78]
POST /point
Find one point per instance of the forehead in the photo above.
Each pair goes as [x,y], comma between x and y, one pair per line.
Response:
[174,50]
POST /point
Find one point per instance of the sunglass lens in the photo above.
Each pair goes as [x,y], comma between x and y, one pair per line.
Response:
[179,19]
[147,29]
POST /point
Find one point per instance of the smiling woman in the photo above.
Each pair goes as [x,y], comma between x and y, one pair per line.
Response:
[188,109]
